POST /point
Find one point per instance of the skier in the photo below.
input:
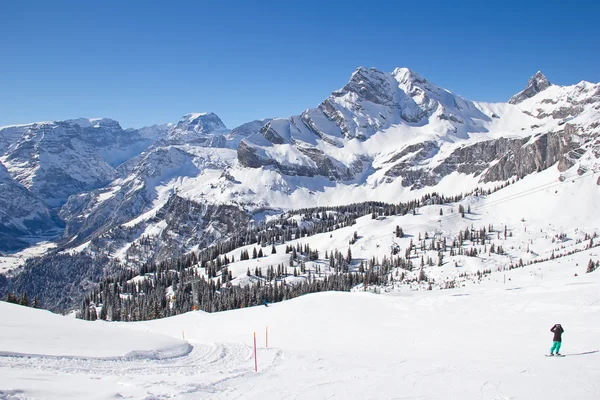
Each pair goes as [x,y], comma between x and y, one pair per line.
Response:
[558,331]
[265,303]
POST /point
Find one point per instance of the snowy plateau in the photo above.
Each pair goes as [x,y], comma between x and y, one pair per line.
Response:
[453,233]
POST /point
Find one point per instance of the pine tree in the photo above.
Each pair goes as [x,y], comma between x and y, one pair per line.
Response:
[25,300]
[399,232]
[591,267]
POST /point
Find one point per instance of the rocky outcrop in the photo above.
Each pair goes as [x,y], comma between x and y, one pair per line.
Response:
[493,160]
[533,155]
[536,84]
[408,167]
[248,157]
[271,134]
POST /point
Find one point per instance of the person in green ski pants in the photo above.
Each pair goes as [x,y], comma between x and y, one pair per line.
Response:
[558,331]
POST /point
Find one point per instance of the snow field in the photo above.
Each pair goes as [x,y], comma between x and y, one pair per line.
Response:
[480,341]
[30,332]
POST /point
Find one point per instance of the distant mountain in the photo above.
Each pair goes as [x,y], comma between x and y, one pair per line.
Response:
[140,195]
[21,213]
[383,136]
[50,161]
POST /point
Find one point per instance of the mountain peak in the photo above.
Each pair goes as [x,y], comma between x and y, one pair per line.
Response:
[93,123]
[203,123]
[406,76]
[537,83]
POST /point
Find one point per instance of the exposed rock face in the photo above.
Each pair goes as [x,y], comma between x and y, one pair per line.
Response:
[408,167]
[248,157]
[536,84]
[545,151]
[494,160]
[370,85]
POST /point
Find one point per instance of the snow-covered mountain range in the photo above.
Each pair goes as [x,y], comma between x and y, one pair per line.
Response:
[42,164]
[170,189]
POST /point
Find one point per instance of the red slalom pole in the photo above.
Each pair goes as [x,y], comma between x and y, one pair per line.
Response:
[255,361]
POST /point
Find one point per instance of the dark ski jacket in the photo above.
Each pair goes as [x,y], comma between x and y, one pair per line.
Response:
[558,331]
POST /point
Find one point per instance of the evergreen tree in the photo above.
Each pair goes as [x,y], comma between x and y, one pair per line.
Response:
[25,300]
[591,267]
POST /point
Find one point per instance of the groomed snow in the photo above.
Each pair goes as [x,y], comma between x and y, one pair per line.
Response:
[484,341]
[30,332]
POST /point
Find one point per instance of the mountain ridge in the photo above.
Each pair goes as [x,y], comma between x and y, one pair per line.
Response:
[381,137]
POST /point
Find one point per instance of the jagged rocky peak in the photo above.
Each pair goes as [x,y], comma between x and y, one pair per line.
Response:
[369,84]
[202,123]
[536,84]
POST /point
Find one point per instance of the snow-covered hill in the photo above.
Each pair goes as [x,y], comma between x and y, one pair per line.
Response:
[486,341]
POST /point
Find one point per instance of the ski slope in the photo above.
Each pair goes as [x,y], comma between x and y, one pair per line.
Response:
[484,341]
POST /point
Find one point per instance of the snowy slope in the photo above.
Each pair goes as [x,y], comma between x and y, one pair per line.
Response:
[486,341]
[68,337]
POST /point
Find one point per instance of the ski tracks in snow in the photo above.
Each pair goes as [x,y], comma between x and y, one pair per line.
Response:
[494,388]
[203,369]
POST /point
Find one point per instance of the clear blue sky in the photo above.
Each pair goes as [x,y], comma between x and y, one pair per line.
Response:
[145,62]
